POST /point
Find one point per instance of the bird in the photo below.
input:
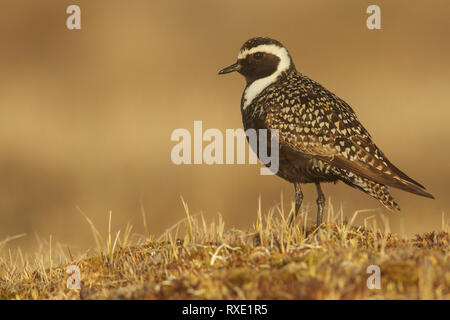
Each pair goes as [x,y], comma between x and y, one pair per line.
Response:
[320,137]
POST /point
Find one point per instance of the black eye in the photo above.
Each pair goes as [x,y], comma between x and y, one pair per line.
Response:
[258,55]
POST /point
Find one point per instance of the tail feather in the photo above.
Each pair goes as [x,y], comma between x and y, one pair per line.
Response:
[403,181]
[389,176]
[372,188]
[412,188]
[382,193]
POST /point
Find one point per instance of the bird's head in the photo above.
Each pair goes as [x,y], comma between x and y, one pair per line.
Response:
[261,58]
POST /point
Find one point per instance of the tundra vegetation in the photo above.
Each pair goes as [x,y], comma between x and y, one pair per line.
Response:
[196,259]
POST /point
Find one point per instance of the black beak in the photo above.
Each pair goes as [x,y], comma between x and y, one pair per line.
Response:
[232,68]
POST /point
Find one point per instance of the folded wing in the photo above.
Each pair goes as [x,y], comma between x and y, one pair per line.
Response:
[323,126]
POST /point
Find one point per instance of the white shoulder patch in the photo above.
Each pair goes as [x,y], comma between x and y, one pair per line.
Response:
[259,85]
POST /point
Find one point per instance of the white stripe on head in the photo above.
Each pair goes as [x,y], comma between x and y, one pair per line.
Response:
[259,85]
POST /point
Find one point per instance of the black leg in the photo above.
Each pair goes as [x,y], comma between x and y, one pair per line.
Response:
[320,203]
[298,201]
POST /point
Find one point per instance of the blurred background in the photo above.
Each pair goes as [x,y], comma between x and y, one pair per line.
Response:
[86,116]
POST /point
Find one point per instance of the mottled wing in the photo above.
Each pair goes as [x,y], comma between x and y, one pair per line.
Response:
[313,121]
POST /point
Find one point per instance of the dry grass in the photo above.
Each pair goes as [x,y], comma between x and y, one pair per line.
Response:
[199,260]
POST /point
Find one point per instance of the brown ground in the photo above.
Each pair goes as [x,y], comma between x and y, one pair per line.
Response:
[269,261]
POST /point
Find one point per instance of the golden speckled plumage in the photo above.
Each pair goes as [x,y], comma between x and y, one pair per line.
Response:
[321,139]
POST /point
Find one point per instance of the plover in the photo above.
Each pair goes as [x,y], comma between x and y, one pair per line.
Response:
[320,137]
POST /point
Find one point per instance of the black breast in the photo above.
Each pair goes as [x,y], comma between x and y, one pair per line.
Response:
[293,166]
